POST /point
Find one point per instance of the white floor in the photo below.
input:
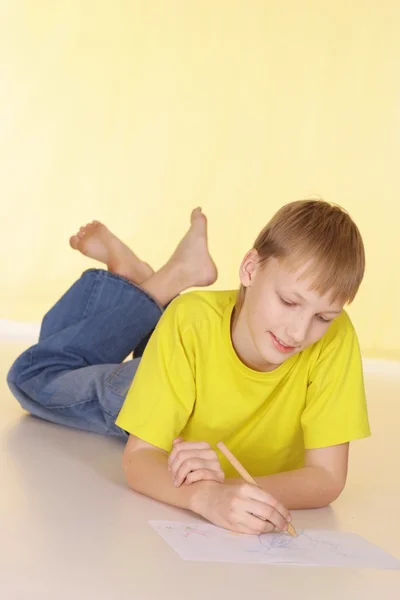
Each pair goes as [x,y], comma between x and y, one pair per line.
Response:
[70,527]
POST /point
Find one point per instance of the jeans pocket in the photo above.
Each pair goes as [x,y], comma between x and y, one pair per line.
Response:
[120,380]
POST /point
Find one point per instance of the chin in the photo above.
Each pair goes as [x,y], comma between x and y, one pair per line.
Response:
[275,358]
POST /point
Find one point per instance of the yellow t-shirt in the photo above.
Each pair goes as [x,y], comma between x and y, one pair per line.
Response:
[190,382]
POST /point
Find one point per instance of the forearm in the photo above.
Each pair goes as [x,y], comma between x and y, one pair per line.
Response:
[309,487]
[146,471]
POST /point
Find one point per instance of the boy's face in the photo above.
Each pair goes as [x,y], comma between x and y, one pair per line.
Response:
[280,315]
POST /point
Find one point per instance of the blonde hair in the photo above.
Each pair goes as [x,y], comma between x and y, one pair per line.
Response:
[321,234]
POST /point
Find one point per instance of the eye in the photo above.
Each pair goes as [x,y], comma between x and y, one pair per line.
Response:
[285,302]
[320,318]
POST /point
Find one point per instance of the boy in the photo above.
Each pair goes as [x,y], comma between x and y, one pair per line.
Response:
[273,370]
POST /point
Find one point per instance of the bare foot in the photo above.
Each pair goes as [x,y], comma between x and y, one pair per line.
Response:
[97,242]
[192,257]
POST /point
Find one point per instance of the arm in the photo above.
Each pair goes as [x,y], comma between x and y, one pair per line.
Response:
[242,508]
[317,484]
[146,471]
[335,413]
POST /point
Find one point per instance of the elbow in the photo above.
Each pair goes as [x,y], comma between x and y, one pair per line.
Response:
[330,488]
[328,495]
[138,461]
[325,489]
[337,486]
[132,461]
[128,468]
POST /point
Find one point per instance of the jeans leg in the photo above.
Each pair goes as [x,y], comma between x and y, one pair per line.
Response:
[74,374]
[99,320]
[89,398]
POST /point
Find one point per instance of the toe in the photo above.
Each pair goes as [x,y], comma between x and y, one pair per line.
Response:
[74,241]
[196,213]
[198,219]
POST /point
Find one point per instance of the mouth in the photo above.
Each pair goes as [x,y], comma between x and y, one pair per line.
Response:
[280,344]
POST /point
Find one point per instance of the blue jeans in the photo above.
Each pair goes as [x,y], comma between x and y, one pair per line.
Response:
[75,374]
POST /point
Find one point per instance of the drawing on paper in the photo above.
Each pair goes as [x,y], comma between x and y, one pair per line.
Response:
[205,542]
[194,531]
[303,541]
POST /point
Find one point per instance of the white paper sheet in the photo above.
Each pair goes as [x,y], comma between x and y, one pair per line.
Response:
[205,542]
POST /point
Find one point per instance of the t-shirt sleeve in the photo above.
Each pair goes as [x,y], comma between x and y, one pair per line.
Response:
[336,410]
[162,395]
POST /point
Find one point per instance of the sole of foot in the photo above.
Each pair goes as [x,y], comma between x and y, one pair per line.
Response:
[96,241]
[192,255]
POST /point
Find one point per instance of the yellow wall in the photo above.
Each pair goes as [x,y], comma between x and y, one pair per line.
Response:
[132,112]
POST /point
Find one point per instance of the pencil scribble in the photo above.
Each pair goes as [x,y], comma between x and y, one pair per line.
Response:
[303,541]
[194,531]
[312,547]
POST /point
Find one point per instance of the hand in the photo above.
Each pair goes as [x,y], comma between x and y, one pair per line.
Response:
[194,461]
[243,508]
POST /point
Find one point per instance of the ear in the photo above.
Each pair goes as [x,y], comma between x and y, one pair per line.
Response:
[249,267]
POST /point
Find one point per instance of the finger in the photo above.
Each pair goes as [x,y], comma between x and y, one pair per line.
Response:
[256,526]
[268,527]
[240,528]
[266,512]
[179,457]
[250,525]
[190,464]
[260,495]
[182,455]
[177,440]
[213,469]
[205,475]
[194,464]
[181,446]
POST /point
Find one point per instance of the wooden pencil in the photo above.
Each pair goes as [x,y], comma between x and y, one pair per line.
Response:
[245,475]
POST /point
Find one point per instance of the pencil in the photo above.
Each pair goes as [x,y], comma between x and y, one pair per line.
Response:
[245,475]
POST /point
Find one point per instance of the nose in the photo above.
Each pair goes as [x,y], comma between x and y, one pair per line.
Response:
[296,330]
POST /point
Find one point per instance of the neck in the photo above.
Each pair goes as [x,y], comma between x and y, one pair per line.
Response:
[244,346]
